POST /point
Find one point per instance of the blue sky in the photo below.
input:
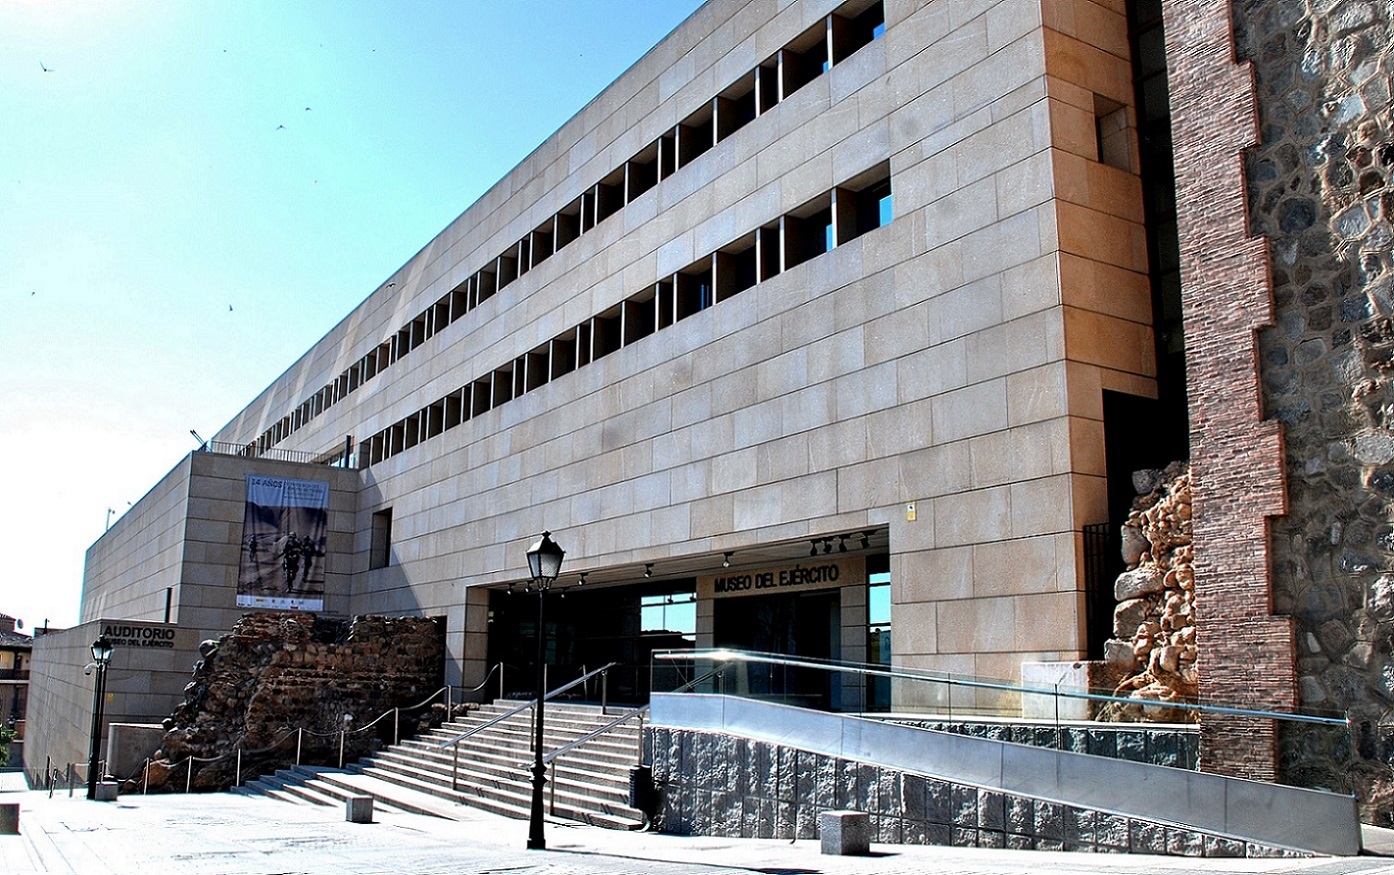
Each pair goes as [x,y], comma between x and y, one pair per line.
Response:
[192,193]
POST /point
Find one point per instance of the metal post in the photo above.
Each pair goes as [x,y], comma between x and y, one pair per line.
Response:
[299,737]
[536,840]
[639,760]
[604,690]
[145,783]
[500,680]
[70,780]
[552,796]
[342,733]
[1059,740]
[95,751]
[455,767]
[238,782]
[396,725]
[189,775]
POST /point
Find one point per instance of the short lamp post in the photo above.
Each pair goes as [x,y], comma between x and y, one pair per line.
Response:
[101,657]
[544,563]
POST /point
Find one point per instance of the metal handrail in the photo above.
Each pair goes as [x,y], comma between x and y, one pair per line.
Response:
[547,758]
[525,706]
[907,674]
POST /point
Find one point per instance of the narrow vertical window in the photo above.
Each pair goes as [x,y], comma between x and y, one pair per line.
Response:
[380,553]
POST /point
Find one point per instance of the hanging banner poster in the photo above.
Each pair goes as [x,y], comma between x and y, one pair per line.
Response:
[283,535]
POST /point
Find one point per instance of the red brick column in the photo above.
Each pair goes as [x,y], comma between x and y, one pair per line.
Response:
[1247,654]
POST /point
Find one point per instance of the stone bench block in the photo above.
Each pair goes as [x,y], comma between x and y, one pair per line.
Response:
[9,819]
[845,833]
[107,791]
[358,809]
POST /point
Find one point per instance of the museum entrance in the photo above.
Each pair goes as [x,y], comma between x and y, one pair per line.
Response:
[804,624]
[587,628]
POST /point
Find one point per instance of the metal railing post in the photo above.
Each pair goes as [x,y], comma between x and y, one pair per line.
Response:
[455,767]
[501,667]
[1059,739]
[604,690]
[189,776]
[552,804]
[238,781]
[396,726]
[299,739]
[145,788]
[342,733]
[639,758]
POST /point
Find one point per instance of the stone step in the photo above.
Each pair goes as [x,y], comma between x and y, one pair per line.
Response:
[597,751]
[514,798]
[589,784]
[602,785]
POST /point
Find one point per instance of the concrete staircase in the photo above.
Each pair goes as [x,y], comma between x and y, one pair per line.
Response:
[590,784]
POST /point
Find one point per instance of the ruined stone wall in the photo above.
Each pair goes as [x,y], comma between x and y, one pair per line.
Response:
[1319,190]
[1154,624]
[274,673]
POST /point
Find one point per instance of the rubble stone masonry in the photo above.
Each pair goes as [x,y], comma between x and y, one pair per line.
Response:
[276,673]
[1320,193]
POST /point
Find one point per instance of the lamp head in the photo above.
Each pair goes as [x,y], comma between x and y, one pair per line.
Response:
[544,559]
[101,650]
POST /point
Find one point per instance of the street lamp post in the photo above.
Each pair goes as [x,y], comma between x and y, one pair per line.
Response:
[544,563]
[101,656]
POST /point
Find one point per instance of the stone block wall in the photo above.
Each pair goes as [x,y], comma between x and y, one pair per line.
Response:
[275,673]
[1319,190]
[719,785]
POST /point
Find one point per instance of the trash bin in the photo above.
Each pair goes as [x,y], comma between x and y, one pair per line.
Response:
[641,788]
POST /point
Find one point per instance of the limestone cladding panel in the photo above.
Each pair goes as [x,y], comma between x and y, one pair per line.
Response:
[888,370]
[139,555]
[1236,457]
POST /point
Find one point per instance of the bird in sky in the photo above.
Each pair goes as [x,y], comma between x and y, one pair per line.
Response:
[45,69]
[280,127]
[229,308]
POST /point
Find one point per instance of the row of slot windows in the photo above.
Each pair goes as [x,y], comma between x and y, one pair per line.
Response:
[842,33]
[836,217]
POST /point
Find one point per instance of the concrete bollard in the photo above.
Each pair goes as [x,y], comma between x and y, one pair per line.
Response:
[9,819]
[358,809]
[845,833]
[107,791]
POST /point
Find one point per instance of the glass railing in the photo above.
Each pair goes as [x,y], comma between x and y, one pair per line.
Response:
[1059,715]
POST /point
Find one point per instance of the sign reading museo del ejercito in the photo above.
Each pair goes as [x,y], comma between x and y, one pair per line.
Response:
[814,573]
[283,535]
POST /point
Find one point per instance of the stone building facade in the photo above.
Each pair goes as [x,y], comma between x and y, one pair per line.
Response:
[918,283]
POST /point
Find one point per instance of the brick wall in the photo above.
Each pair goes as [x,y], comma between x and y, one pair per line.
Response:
[1237,457]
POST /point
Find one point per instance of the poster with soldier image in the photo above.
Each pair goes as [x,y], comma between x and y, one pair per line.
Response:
[283,536]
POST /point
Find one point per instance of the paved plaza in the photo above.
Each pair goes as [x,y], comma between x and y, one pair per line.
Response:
[226,834]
